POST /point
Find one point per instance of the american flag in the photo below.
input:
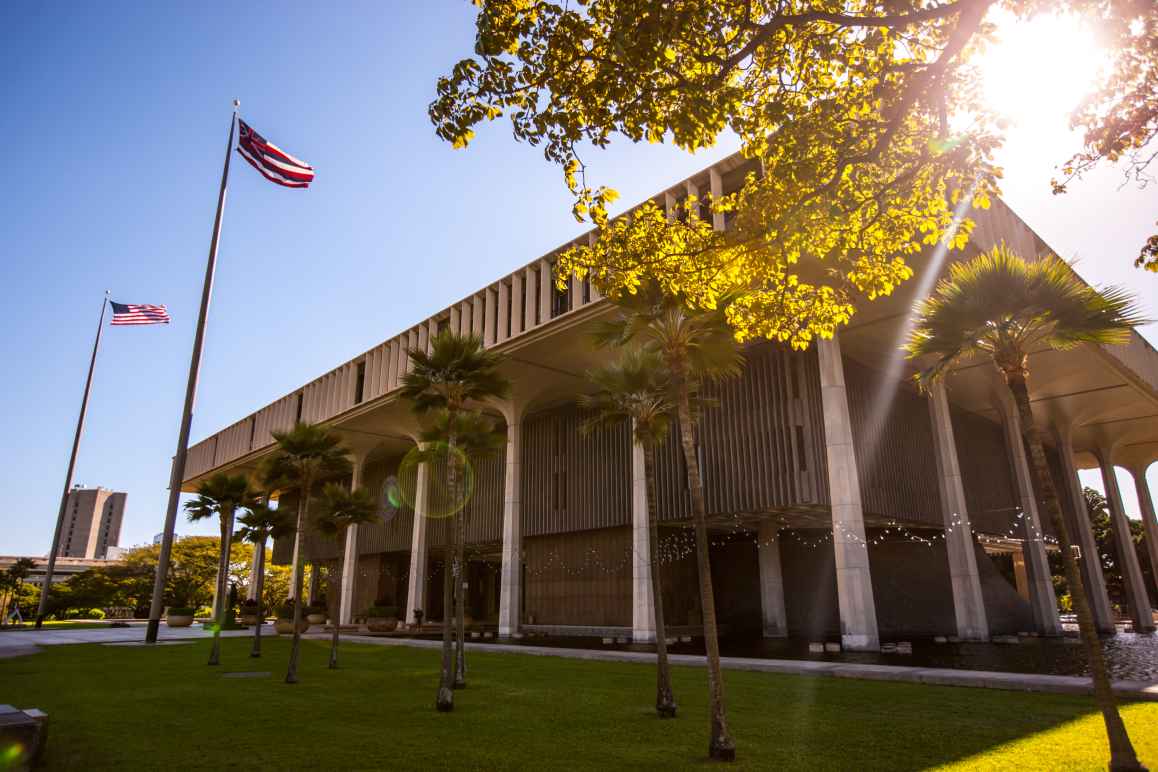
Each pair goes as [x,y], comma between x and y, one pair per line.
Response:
[275,164]
[134,313]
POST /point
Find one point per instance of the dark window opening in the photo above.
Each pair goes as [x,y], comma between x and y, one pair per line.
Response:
[587,290]
[510,306]
[252,432]
[298,413]
[360,383]
[443,325]
[560,300]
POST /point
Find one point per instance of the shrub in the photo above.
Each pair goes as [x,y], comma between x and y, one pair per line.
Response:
[286,612]
[180,611]
[381,612]
[96,613]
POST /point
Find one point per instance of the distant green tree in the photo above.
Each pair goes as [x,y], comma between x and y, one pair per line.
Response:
[1098,510]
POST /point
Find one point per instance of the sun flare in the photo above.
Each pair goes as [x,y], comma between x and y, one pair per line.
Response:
[1039,69]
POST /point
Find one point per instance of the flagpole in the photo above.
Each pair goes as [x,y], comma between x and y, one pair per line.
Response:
[177,473]
[51,567]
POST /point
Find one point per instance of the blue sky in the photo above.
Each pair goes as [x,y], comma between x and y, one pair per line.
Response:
[114,124]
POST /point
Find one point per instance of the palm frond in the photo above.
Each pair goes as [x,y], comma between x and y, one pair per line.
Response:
[1001,306]
[219,496]
[457,369]
[339,508]
[637,387]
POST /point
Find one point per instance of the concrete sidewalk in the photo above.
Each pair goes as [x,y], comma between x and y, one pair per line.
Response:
[14,643]
[1023,682]
[20,642]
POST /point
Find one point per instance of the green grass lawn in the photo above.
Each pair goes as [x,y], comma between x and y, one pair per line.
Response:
[163,707]
[66,624]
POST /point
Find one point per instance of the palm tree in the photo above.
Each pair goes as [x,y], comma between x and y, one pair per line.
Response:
[637,388]
[1001,307]
[306,454]
[15,576]
[695,346]
[456,372]
[341,508]
[220,496]
[475,436]
[257,525]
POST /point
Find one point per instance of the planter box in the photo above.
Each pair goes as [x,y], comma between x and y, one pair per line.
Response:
[381,625]
[316,619]
[249,619]
[179,620]
[286,626]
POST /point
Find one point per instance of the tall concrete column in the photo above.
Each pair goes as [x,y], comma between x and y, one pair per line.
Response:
[1149,521]
[416,590]
[1083,535]
[854,587]
[350,558]
[511,586]
[968,603]
[771,581]
[1038,580]
[642,600]
[254,569]
[1138,600]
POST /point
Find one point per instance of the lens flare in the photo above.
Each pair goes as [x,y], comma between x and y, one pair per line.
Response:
[391,499]
[441,498]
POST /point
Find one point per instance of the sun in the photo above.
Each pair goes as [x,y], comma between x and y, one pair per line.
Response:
[1039,69]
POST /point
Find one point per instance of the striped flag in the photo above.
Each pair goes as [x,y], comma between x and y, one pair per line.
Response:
[134,313]
[275,164]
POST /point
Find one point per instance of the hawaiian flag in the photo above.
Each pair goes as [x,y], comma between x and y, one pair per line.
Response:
[275,164]
[138,313]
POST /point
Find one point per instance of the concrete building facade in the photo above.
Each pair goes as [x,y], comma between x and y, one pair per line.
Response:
[843,504]
[92,522]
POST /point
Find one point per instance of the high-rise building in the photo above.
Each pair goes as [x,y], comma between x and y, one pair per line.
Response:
[92,522]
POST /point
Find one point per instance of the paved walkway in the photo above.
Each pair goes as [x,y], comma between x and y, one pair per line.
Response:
[19,642]
[14,643]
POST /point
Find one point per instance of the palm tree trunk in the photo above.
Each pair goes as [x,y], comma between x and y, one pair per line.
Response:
[337,620]
[721,746]
[222,575]
[445,700]
[460,603]
[665,704]
[260,580]
[1122,756]
[291,675]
